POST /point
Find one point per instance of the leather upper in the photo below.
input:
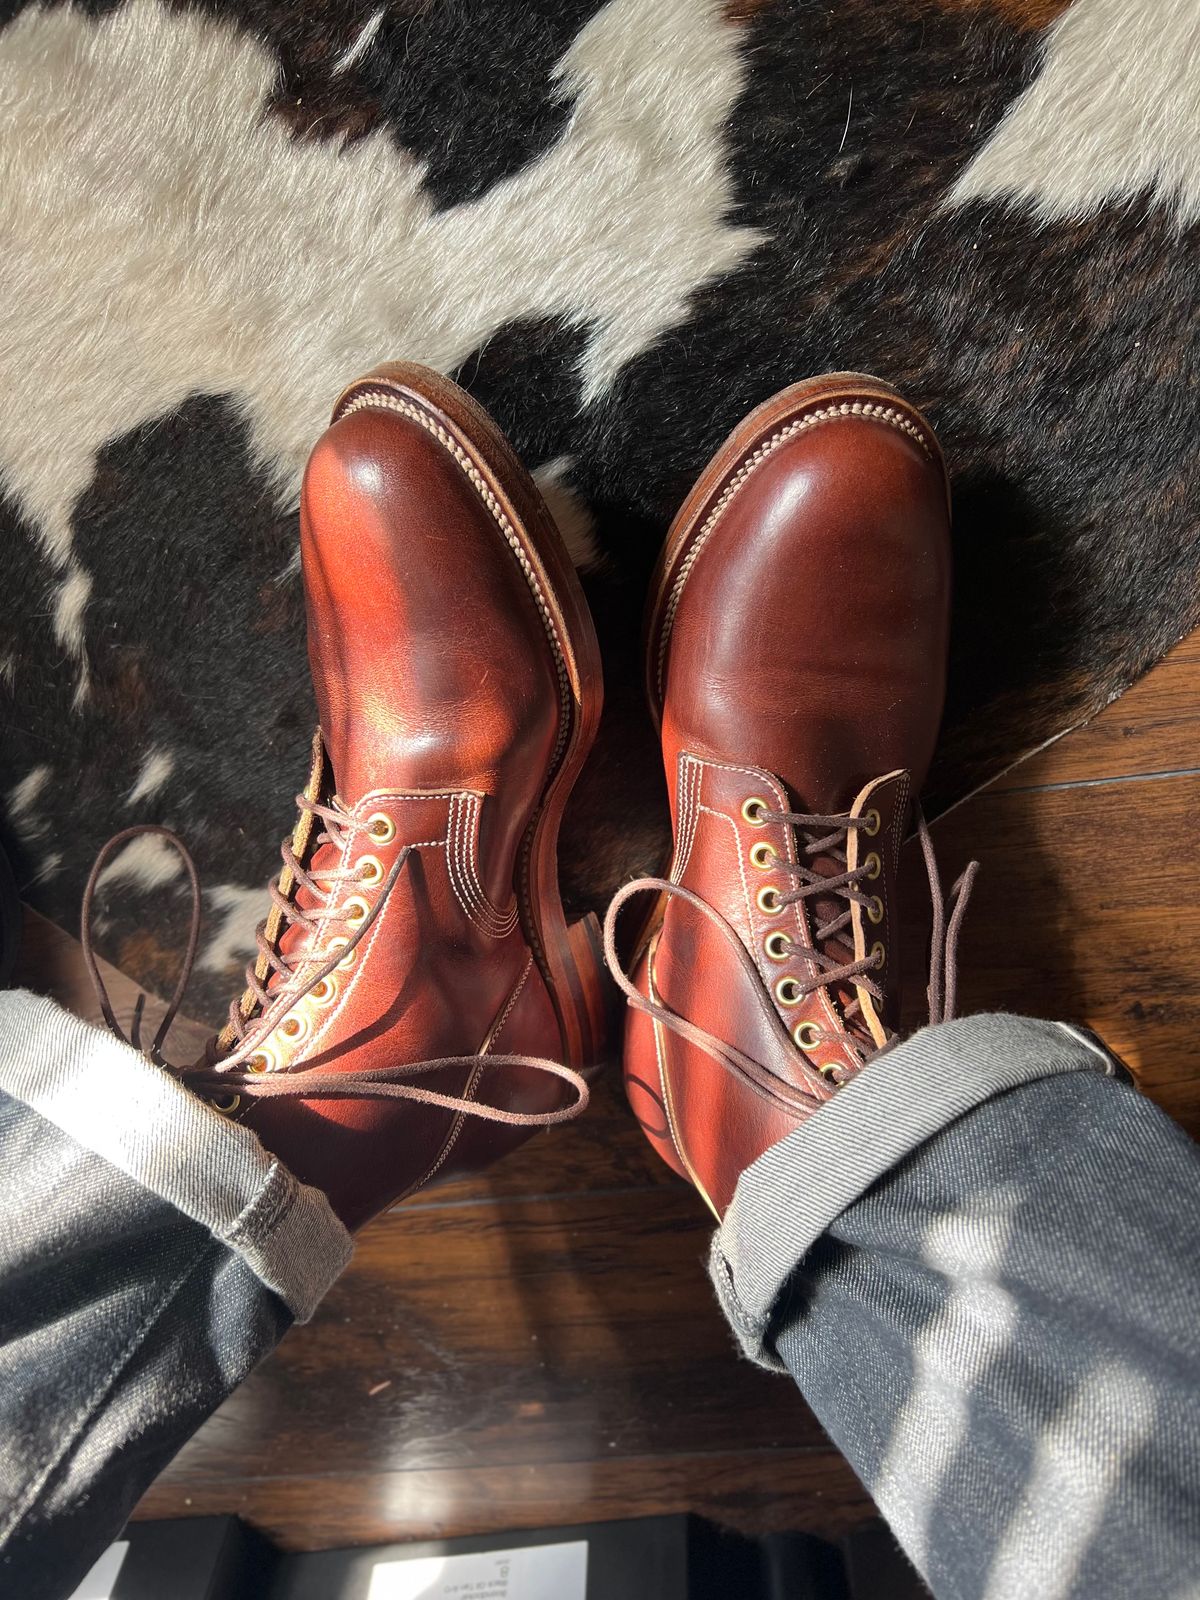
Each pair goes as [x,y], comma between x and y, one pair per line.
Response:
[801,669]
[440,711]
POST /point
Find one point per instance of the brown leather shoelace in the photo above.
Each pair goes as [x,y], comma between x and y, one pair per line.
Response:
[275,984]
[827,836]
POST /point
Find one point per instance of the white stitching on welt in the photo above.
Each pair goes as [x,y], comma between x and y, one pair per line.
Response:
[888,415]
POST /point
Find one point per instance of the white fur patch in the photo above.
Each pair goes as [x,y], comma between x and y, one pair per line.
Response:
[47,867]
[570,512]
[1113,113]
[162,236]
[155,770]
[359,47]
[241,912]
[23,799]
[145,862]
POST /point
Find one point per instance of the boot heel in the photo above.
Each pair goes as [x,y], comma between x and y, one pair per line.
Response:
[596,997]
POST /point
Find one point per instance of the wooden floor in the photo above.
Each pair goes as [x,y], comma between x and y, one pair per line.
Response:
[541,1346]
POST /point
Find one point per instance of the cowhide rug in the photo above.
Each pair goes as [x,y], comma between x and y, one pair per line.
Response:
[620,225]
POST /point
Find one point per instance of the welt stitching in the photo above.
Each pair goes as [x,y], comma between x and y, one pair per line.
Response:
[888,415]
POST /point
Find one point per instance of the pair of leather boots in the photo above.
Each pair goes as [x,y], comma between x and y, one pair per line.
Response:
[420,1002]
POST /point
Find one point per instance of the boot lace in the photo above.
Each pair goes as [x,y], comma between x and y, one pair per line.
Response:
[826,842]
[277,982]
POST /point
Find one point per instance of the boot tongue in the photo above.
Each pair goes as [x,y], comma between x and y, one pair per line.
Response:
[826,908]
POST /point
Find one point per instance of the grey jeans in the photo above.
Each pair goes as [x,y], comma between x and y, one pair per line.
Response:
[978,1262]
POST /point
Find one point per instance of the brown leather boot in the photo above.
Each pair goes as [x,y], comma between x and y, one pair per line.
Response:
[419,997]
[796,653]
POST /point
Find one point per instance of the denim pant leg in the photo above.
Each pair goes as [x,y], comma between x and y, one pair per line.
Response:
[1001,1327]
[151,1253]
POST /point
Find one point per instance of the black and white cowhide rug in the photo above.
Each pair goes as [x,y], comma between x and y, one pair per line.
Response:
[620,225]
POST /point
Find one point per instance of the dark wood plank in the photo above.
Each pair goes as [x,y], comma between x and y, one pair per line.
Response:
[50,961]
[755,1491]
[505,1332]
[1087,910]
[1153,727]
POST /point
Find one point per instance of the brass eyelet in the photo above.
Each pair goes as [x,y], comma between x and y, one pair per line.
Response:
[323,991]
[228,1105]
[788,992]
[878,955]
[753,810]
[294,1026]
[370,871]
[261,1061]
[873,865]
[829,1071]
[871,823]
[356,903]
[807,1035]
[763,855]
[340,943]
[767,901]
[381,827]
[777,946]
[875,908]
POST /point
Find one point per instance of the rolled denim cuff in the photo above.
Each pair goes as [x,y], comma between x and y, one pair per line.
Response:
[784,1202]
[110,1100]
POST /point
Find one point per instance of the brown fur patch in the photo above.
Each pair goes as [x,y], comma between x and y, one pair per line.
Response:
[746,10]
[1028,14]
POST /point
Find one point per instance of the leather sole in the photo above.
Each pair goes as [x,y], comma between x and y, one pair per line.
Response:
[759,425]
[568,956]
